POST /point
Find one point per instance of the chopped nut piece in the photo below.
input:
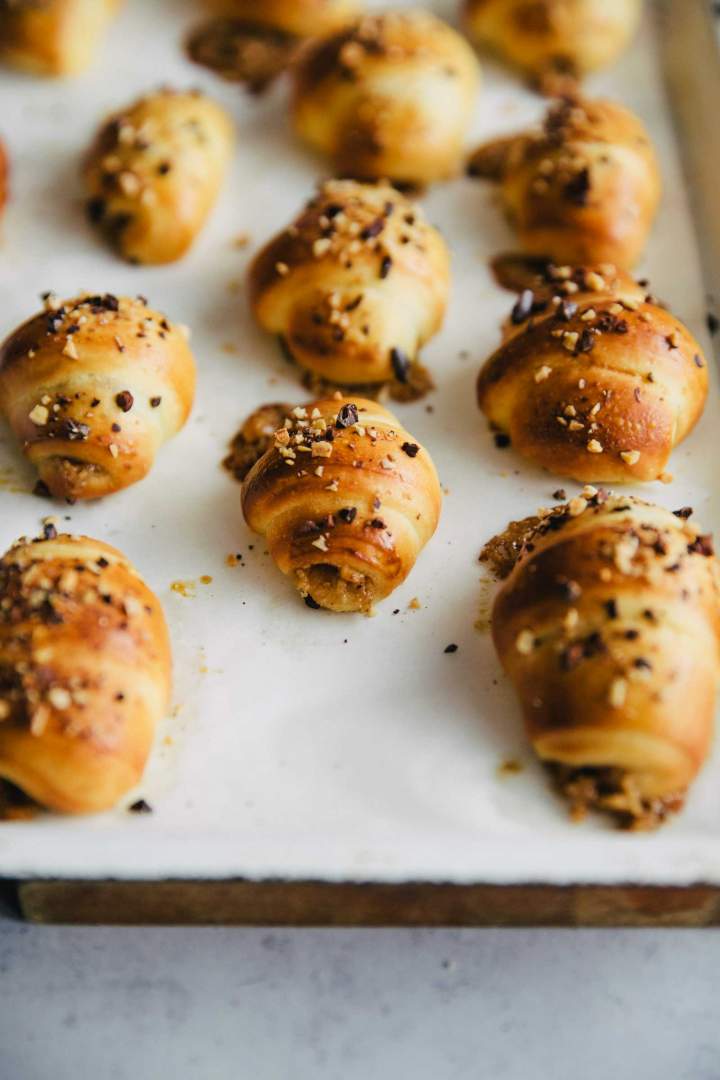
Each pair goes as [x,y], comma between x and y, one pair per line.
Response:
[594,447]
[59,698]
[39,415]
[618,693]
[543,373]
[630,457]
[70,349]
[525,642]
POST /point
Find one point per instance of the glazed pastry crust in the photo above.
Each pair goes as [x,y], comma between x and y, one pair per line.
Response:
[53,37]
[346,500]
[302,18]
[586,189]
[391,96]
[545,36]
[355,286]
[609,628]
[599,384]
[85,671]
[154,173]
[92,388]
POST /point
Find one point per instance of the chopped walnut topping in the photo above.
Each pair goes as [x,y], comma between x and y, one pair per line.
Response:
[618,693]
[630,457]
[594,447]
[59,698]
[543,373]
[39,415]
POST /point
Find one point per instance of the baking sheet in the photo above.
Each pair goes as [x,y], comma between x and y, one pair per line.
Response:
[303,744]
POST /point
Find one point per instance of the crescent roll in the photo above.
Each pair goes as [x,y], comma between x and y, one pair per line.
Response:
[594,380]
[355,286]
[300,18]
[92,388]
[546,37]
[85,671]
[585,189]
[155,171]
[346,499]
[609,628]
[390,96]
[53,37]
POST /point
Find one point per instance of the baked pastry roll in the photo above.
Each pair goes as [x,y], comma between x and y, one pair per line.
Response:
[92,388]
[355,286]
[546,38]
[390,96]
[609,628]
[584,189]
[85,672]
[53,37]
[594,380]
[346,500]
[154,173]
[301,18]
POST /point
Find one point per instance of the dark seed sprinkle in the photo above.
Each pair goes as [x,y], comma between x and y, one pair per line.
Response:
[502,441]
[124,400]
[347,416]
[140,807]
[684,512]
[451,648]
[154,402]
[348,514]
[385,266]
[411,449]
[311,603]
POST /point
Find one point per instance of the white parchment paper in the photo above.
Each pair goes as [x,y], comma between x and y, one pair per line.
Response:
[304,744]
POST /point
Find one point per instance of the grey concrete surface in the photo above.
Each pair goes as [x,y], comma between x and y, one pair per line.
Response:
[215,1004]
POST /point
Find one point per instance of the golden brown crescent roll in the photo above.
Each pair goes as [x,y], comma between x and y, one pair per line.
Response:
[390,96]
[544,37]
[609,627]
[85,671]
[301,18]
[595,381]
[154,173]
[53,37]
[355,286]
[346,500]
[585,189]
[92,388]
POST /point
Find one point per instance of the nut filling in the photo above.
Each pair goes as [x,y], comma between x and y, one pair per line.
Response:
[613,791]
[335,588]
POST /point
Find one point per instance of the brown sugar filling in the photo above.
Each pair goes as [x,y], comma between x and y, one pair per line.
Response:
[335,588]
[612,791]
